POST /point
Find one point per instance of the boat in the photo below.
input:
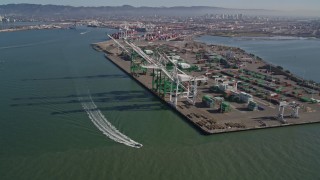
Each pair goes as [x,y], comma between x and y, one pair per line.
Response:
[138,145]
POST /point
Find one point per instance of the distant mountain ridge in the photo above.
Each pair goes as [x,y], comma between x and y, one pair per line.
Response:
[36,10]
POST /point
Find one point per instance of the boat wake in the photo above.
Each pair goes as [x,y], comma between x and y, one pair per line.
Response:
[82,33]
[100,121]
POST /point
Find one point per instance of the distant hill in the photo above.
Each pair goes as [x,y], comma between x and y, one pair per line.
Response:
[35,10]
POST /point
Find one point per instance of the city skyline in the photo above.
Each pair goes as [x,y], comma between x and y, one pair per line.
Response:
[285,5]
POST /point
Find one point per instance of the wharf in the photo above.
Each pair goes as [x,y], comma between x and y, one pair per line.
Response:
[207,120]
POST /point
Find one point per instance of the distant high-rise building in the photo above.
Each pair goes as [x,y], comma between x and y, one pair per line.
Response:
[240,16]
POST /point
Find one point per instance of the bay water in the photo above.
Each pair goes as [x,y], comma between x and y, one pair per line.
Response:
[45,133]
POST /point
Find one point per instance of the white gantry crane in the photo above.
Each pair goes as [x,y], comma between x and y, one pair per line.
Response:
[294,110]
[185,85]
[119,44]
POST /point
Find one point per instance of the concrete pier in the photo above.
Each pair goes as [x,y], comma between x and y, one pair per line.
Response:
[209,121]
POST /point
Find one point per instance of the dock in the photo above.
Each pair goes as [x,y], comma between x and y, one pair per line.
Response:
[211,120]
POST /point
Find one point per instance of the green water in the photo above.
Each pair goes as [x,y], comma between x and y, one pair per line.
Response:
[46,134]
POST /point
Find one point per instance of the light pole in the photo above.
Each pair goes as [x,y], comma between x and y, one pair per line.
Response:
[313,89]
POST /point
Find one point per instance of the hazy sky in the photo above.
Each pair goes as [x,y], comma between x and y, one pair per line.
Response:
[261,4]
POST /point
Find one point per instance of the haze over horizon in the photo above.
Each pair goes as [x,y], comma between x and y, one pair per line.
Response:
[285,5]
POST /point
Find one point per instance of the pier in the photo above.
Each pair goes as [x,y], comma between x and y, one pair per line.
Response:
[212,120]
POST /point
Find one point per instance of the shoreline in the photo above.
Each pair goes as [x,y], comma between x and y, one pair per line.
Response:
[17,30]
[36,27]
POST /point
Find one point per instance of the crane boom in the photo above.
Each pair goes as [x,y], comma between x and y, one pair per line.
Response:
[119,44]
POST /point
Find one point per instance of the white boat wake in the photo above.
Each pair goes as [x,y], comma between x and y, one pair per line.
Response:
[82,33]
[100,121]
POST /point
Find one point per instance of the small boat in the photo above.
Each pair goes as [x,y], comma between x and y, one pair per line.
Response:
[138,145]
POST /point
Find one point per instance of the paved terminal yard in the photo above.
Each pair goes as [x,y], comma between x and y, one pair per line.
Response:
[237,70]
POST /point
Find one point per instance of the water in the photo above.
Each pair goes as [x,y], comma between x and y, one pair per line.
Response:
[45,133]
[102,123]
[299,55]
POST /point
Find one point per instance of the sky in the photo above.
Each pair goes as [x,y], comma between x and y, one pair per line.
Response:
[287,5]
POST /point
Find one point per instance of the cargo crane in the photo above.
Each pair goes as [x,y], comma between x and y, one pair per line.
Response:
[119,44]
[177,77]
[294,110]
[185,85]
